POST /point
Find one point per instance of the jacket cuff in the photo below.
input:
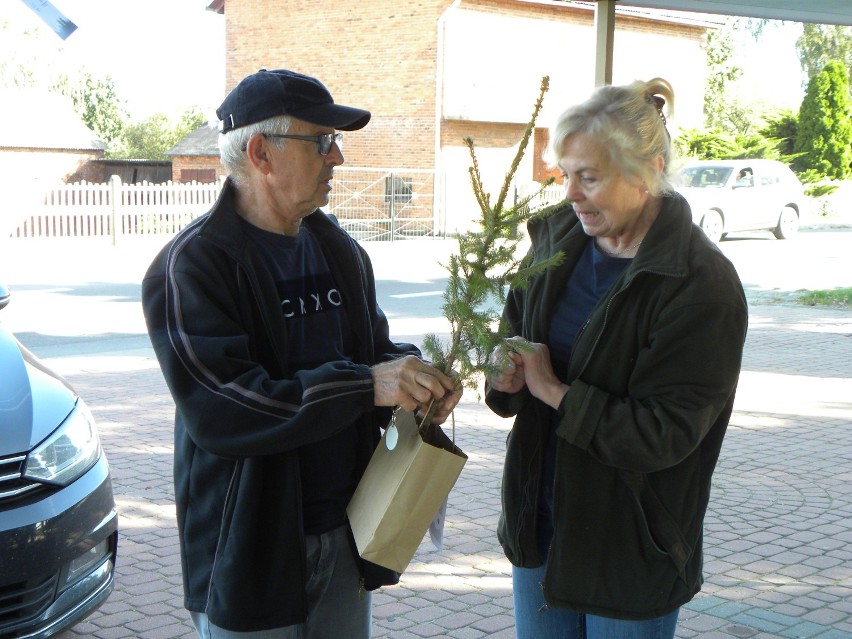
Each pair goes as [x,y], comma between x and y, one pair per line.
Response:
[581,410]
[505,404]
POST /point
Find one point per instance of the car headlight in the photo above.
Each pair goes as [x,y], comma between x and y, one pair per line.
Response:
[70,451]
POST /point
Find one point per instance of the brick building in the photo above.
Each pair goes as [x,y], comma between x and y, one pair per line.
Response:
[196,157]
[436,71]
[42,143]
[45,138]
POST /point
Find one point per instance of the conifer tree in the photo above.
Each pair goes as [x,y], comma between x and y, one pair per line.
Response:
[483,269]
[825,124]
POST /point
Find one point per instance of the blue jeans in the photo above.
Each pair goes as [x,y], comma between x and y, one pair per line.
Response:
[534,620]
[336,605]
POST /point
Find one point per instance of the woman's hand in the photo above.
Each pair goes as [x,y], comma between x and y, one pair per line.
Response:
[510,367]
[536,370]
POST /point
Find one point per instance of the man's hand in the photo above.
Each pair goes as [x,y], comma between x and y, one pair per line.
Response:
[410,383]
[445,407]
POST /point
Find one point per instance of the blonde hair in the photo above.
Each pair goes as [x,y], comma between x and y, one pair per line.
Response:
[628,121]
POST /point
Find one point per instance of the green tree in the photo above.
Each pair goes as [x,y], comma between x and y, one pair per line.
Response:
[710,144]
[782,127]
[189,121]
[719,145]
[824,136]
[719,110]
[486,266]
[21,65]
[97,104]
[819,44]
[30,60]
[151,138]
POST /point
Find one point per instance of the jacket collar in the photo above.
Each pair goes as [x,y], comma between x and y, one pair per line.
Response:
[665,249]
[223,225]
[666,245]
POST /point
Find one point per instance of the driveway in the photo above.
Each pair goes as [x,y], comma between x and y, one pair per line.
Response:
[778,539]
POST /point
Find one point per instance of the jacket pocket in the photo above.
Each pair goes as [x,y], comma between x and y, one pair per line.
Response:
[663,530]
[608,556]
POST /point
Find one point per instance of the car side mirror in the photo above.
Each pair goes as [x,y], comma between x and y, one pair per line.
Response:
[5,296]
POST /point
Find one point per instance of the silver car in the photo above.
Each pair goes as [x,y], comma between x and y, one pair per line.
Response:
[742,195]
[58,521]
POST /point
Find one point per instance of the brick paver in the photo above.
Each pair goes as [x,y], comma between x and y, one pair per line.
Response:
[778,532]
[778,551]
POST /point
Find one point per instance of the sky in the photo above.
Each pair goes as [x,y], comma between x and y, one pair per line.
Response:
[772,72]
[167,56]
[164,56]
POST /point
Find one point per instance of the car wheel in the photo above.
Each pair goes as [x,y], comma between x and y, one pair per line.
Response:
[788,224]
[711,224]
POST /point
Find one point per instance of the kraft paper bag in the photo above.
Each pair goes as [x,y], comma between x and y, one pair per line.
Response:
[402,491]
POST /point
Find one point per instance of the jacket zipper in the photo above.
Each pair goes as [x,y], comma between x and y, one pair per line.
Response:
[612,299]
[273,338]
[583,328]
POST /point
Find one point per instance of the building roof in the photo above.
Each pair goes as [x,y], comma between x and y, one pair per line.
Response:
[691,18]
[203,141]
[817,11]
[41,120]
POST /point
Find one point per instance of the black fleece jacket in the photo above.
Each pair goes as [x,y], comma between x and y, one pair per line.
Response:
[212,312]
[652,379]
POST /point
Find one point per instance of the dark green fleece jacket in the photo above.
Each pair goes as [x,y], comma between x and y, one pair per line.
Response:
[652,379]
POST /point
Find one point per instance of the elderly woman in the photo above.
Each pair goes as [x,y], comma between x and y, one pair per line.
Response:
[621,382]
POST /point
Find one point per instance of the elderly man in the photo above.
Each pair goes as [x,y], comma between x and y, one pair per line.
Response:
[264,319]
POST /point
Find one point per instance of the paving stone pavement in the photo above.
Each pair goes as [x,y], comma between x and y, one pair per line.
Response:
[778,532]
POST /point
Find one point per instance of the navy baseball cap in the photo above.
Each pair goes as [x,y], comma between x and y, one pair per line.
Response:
[265,94]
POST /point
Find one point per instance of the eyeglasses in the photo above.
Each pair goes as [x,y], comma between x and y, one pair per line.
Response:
[323,141]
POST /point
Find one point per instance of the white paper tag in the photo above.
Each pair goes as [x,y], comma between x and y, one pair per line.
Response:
[391,437]
[436,528]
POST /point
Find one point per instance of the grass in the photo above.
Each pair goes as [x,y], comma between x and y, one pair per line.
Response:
[837,297]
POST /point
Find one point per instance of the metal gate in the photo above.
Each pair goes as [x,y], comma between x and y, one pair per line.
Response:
[386,204]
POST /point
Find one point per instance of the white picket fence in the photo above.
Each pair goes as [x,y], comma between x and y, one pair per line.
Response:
[369,203]
[114,209]
[541,197]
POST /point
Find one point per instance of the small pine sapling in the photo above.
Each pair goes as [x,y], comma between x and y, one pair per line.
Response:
[485,267]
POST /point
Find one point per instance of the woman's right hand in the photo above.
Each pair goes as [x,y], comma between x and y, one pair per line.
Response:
[509,365]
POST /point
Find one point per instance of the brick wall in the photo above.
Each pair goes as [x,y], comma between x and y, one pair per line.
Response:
[374,54]
[383,55]
[192,162]
[52,166]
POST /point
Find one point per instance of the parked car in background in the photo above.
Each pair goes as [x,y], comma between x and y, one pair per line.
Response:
[58,523]
[742,195]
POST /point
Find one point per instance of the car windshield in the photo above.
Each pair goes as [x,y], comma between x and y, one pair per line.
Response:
[705,176]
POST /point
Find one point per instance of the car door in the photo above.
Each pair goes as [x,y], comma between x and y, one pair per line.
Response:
[766,189]
[744,210]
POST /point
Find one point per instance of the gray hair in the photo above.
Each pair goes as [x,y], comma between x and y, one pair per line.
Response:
[628,121]
[232,145]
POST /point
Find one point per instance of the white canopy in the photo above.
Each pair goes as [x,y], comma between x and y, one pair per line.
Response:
[817,11]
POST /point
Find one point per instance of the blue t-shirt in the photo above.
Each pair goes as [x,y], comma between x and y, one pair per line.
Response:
[591,278]
[317,332]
